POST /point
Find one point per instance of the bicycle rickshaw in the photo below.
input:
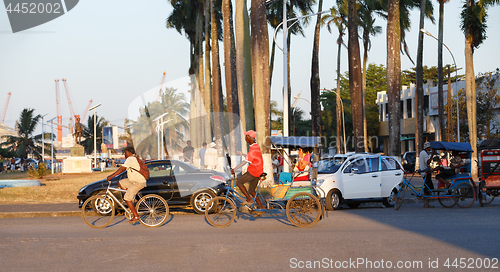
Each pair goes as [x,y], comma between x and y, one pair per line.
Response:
[489,181]
[300,202]
[461,190]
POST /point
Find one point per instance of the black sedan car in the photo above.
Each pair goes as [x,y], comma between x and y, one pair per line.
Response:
[180,184]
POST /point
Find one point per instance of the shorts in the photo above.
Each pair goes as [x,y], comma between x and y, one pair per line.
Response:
[252,181]
[132,188]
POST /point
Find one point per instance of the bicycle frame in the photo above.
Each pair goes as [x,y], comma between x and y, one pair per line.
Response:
[128,213]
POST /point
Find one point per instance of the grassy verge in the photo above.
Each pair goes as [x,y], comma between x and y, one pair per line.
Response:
[56,188]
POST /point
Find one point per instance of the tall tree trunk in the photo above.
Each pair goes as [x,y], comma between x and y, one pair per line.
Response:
[244,68]
[366,36]
[271,62]
[449,110]
[202,113]
[355,77]
[315,105]
[207,90]
[260,69]
[394,77]
[470,89]
[230,74]
[216,84]
[440,72]
[419,92]
[340,139]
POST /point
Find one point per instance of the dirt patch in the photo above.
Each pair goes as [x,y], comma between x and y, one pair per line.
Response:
[56,188]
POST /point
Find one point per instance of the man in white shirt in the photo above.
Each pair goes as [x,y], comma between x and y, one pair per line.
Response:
[135,181]
[424,161]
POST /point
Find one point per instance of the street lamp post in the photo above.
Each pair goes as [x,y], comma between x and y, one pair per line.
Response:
[286,105]
[159,122]
[43,139]
[95,135]
[343,120]
[456,78]
[52,144]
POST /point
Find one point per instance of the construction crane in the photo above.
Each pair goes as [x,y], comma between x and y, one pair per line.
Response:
[86,111]
[72,112]
[158,99]
[5,108]
[59,116]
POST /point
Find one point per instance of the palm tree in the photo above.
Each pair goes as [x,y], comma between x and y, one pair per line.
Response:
[355,75]
[25,142]
[244,68]
[474,27]
[89,134]
[367,24]
[338,16]
[315,83]
[260,71]
[394,76]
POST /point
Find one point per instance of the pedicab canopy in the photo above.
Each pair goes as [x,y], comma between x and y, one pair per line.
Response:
[452,146]
[296,141]
[493,143]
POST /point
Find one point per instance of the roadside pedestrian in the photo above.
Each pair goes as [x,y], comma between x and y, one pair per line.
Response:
[201,154]
[188,152]
[424,161]
[135,181]
[211,158]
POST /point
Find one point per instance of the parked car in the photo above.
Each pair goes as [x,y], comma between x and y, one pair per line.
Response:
[360,178]
[408,161]
[180,184]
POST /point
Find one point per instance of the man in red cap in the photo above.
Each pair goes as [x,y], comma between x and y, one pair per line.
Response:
[254,170]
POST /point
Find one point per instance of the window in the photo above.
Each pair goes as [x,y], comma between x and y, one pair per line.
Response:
[389,164]
[178,170]
[408,108]
[160,170]
[358,164]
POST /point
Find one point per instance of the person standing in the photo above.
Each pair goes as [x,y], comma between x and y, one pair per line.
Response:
[424,161]
[188,152]
[134,182]
[201,154]
[211,158]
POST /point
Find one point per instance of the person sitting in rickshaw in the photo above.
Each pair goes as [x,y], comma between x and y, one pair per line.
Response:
[453,169]
[303,165]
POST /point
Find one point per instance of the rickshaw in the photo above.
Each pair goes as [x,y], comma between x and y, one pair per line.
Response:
[300,202]
[461,190]
[489,181]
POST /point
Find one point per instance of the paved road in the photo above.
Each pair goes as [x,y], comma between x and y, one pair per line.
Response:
[353,238]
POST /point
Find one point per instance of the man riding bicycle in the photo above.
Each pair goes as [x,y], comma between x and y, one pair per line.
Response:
[134,183]
[254,170]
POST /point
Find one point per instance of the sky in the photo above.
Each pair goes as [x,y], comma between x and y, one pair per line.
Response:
[113,52]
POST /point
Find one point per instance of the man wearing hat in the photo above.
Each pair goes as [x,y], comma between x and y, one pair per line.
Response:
[424,161]
[254,170]
[134,182]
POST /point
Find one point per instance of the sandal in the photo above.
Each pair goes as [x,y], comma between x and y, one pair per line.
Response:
[134,220]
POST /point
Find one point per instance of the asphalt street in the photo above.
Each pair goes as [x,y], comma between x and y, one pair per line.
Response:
[411,238]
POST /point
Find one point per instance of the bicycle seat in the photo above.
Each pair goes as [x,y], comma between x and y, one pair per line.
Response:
[263,175]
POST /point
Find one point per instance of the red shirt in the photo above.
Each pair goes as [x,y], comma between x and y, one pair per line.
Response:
[254,157]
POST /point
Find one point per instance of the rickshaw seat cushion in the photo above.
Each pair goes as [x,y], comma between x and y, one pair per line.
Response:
[301,183]
[284,178]
[279,191]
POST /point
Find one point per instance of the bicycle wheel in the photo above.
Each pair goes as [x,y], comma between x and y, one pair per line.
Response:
[222,212]
[98,211]
[400,197]
[464,195]
[303,210]
[153,210]
[447,202]
[484,199]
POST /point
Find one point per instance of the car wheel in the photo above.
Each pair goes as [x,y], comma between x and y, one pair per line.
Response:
[200,200]
[353,205]
[333,200]
[391,199]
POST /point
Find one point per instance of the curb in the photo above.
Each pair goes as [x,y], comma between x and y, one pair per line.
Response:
[61,214]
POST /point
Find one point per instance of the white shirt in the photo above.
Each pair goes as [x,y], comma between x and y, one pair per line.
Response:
[133,175]
[422,161]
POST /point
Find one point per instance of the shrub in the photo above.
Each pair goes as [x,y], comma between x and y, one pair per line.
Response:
[39,172]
